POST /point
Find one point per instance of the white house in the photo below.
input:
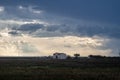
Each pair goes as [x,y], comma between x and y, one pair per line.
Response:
[59,56]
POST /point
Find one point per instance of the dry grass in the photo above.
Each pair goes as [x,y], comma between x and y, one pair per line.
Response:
[59,69]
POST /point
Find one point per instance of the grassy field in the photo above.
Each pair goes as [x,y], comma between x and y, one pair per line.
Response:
[49,69]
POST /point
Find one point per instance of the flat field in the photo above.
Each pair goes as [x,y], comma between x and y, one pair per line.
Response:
[35,68]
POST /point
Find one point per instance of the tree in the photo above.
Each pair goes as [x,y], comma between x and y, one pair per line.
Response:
[76,55]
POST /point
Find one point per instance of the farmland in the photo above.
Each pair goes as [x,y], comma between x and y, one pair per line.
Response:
[35,68]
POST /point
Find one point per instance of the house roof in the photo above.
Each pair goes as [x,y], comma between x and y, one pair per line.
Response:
[59,53]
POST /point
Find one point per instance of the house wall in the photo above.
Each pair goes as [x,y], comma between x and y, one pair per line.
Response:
[60,56]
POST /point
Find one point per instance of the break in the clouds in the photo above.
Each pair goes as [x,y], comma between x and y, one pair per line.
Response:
[31,29]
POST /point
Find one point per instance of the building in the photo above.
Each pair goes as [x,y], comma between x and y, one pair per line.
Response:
[59,56]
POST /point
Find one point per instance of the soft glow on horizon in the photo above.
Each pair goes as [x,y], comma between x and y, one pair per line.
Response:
[26,45]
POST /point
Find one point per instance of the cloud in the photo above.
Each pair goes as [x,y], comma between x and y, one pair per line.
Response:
[70,45]
[30,9]
[30,27]
[27,45]
[34,10]
[21,7]
[56,24]
[38,34]
[2,8]
[15,45]
[46,29]
[22,22]
[75,29]
[64,27]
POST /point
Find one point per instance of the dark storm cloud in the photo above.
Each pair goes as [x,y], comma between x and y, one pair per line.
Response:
[100,10]
[90,10]
[29,27]
[67,29]
[110,31]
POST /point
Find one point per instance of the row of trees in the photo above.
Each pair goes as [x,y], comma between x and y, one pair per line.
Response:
[95,56]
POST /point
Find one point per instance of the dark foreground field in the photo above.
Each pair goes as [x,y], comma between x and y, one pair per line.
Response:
[49,69]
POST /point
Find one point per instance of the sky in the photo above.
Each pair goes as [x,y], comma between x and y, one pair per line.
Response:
[43,27]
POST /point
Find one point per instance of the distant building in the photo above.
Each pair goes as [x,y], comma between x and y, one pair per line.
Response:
[59,56]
